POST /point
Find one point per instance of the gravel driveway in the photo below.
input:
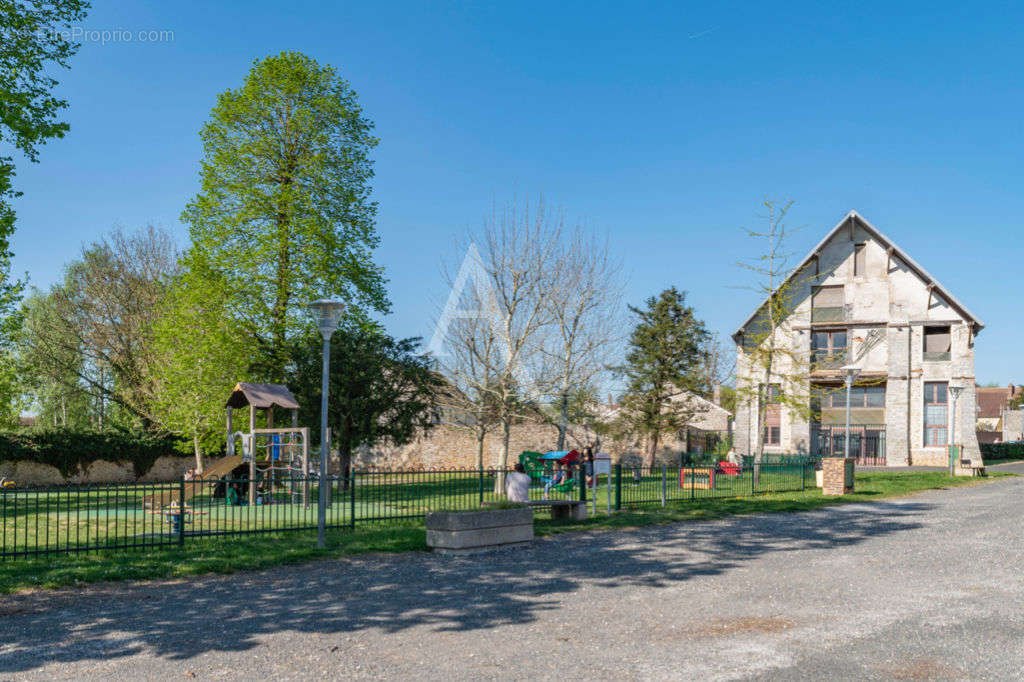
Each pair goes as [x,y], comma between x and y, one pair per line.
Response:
[926,587]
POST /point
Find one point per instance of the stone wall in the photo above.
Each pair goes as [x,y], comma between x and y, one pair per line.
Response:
[25,473]
[453,447]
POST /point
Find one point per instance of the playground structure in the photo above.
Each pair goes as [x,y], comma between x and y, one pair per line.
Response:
[285,451]
[540,467]
[272,454]
[703,478]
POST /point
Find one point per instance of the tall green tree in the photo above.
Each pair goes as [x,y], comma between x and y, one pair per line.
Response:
[97,322]
[284,212]
[32,40]
[663,367]
[381,389]
[201,353]
[50,372]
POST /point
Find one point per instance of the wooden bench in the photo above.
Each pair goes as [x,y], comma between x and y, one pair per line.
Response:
[968,464]
[563,509]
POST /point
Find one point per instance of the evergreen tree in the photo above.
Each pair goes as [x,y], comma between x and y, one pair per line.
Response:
[381,389]
[663,366]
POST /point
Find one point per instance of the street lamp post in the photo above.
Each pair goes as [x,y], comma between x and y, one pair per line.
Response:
[954,392]
[328,314]
[851,372]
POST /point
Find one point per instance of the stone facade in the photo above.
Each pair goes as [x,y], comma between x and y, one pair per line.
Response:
[1013,425]
[887,306]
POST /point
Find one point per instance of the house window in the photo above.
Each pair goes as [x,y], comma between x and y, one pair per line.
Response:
[827,304]
[828,346]
[874,396]
[772,396]
[937,343]
[860,256]
[936,414]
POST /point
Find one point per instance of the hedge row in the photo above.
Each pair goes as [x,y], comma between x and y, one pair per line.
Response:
[73,450]
[1002,450]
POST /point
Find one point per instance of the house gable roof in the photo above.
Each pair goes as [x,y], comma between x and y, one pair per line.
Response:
[889,244]
[993,399]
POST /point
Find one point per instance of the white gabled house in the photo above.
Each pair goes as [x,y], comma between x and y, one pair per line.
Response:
[858,299]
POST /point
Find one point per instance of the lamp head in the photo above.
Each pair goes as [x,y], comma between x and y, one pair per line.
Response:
[328,314]
[851,372]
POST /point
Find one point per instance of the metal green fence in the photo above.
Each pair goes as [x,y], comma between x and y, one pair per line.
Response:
[55,520]
[637,486]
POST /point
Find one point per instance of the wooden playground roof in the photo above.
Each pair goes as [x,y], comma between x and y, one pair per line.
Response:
[262,396]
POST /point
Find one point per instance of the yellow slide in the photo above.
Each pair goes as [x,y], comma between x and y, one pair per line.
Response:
[213,472]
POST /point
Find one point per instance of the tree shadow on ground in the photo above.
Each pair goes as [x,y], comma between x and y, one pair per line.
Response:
[178,620]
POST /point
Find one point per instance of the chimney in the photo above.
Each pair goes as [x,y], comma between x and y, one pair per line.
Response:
[716,395]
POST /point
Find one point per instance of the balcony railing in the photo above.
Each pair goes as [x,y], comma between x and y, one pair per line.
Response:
[867,442]
[837,314]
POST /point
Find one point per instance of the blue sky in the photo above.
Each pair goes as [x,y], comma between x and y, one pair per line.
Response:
[664,125]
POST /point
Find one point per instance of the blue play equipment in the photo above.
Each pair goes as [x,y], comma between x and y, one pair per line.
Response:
[565,458]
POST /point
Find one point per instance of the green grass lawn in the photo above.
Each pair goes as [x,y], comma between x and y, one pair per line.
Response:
[229,554]
[105,516]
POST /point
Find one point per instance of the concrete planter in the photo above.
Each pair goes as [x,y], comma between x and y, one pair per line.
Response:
[471,531]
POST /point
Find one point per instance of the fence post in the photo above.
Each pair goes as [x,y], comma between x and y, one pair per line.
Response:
[481,477]
[607,490]
[664,484]
[755,471]
[352,497]
[803,476]
[618,486]
[181,511]
[582,475]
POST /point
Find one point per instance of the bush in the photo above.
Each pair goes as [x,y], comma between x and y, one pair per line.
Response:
[71,451]
[1002,450]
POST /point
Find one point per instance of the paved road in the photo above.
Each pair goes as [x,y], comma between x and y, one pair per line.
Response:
[927,587]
